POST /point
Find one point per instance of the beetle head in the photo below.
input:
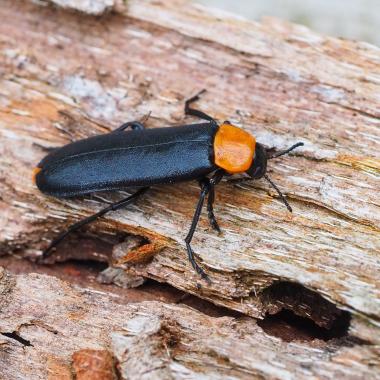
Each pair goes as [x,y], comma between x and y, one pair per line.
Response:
[259,164]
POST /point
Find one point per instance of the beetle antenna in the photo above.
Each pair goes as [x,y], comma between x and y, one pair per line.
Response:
[286,151]
[278,192]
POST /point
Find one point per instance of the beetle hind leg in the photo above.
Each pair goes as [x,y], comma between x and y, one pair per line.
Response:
[76,226]
[207,189]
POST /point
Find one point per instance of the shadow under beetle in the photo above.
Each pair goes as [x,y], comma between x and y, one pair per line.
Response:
[132,156]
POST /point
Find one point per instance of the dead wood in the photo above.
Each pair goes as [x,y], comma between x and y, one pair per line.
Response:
[56,330]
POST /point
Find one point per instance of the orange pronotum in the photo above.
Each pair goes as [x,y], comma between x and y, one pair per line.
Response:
[234,149]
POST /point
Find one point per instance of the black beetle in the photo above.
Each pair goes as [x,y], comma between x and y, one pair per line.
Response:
[143,157]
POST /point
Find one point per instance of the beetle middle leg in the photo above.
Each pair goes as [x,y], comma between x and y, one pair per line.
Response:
[76,226]
[190,253]
[210,209]
[207,188]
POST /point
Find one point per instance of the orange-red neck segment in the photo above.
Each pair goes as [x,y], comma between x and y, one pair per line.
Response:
[234,149]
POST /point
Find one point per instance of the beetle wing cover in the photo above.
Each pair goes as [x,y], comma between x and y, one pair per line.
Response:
[128,158]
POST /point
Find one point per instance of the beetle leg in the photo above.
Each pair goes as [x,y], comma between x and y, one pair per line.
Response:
[210,209]
[205,187]
[76,226]
[134,125]
[195,112]
[215,179]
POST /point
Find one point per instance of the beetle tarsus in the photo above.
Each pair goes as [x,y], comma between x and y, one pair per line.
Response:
[213,222]
[194,98]
[197,268]
[194,112]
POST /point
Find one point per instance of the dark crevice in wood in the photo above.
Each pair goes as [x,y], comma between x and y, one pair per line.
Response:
[302,301]
[84,273]
[291,327]
[90,244]
[86,245]
[90,266]
[294,312]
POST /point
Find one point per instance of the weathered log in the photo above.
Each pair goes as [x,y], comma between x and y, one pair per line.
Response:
[67,75]
[51,330]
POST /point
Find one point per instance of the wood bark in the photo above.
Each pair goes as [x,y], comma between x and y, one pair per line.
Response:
[56,328]
[66,75]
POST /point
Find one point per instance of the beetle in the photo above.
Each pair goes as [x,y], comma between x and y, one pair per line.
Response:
[132,156]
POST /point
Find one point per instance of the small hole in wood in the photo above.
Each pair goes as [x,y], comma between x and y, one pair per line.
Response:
[294,312]
[289,327]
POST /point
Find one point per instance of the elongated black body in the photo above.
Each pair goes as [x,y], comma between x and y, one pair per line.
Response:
[132,156]
[128,158]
